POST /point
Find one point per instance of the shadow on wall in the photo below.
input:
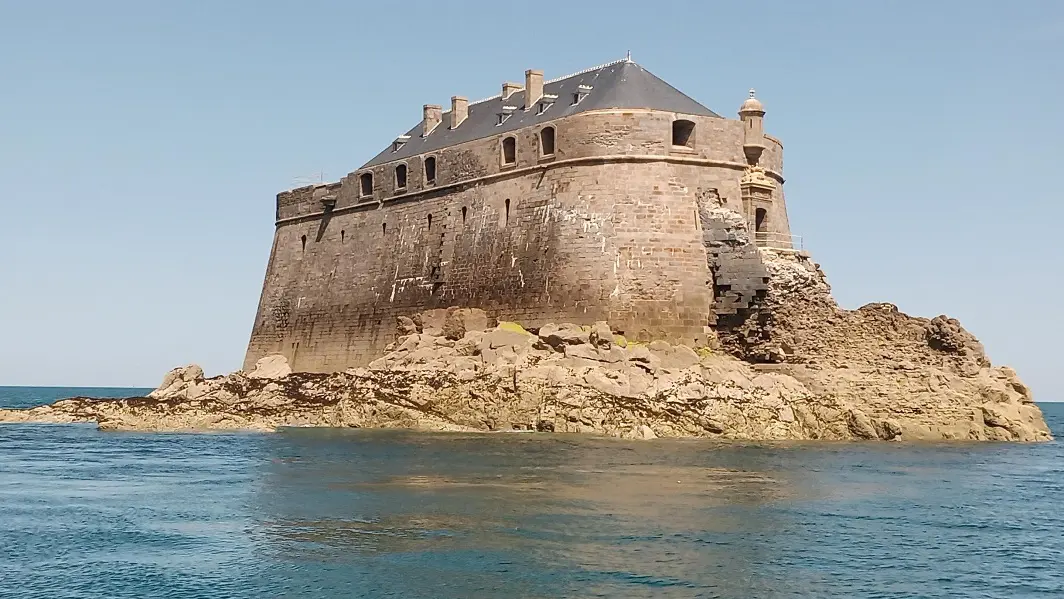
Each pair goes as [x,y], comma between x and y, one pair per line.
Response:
[323,225]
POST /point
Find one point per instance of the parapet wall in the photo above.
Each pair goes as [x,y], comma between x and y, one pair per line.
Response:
[605,229]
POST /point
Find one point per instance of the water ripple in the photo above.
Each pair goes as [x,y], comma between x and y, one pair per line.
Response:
[398,514]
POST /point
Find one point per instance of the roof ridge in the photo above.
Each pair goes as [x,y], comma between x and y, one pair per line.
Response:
[557,79]
[601,66]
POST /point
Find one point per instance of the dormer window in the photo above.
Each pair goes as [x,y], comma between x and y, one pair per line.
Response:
[507,112]
[400,177]
[400,142]
[581,92]
[546,103]
[509,151]
[365,185]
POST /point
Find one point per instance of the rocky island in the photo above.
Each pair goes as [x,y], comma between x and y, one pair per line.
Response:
[598,253]
[867,374]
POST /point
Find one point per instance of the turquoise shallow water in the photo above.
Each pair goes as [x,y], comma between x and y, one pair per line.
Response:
[317,513]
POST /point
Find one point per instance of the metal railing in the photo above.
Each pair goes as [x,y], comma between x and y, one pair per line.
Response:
[778,241]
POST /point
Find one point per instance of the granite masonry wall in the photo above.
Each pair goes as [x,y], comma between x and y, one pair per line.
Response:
[605,228]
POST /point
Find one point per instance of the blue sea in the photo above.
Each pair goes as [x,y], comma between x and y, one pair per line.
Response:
[329,513]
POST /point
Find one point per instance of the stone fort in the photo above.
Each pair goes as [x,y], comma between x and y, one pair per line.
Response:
[591,197]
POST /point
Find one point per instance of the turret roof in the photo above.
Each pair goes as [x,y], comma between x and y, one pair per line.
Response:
[621,84]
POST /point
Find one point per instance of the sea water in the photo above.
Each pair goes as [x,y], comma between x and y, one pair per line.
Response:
[353,513]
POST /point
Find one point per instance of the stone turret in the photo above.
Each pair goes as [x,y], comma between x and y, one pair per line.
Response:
[752,114]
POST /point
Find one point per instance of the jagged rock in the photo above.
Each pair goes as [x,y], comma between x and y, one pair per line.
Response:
[860,425]
[946,334]
[177,380]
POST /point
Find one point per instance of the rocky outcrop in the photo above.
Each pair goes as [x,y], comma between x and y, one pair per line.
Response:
[787,363]
[568,378]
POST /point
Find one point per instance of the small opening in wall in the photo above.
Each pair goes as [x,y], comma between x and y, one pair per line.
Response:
[683,133]
[365,185]
[464,210]
[342,234]
[304,240]
[507,216]
[430,223]
[430,169]
[400,176]
[760,220]
[509,150]
[546,141]
[384,228]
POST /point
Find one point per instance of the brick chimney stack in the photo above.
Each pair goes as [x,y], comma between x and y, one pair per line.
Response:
[433,115]
[459,110]
[533,87]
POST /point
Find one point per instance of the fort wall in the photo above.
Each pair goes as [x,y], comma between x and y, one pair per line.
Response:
[605,228]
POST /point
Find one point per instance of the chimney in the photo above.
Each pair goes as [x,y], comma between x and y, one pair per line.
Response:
[433,116]
[533,87]
[459,110]
[509,88]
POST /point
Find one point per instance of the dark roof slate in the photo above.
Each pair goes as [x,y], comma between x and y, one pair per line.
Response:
[622,84]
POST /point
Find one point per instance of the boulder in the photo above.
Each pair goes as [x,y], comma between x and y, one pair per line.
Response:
[460,321]
[271,367]
[178,379]
[501,337]
[558,336]
[432,321]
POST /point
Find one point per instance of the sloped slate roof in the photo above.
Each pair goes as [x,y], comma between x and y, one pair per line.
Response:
[622,84]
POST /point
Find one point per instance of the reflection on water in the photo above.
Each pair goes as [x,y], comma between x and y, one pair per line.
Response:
[387,513]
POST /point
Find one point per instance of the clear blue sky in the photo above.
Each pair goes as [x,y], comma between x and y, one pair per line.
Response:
[142,144]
